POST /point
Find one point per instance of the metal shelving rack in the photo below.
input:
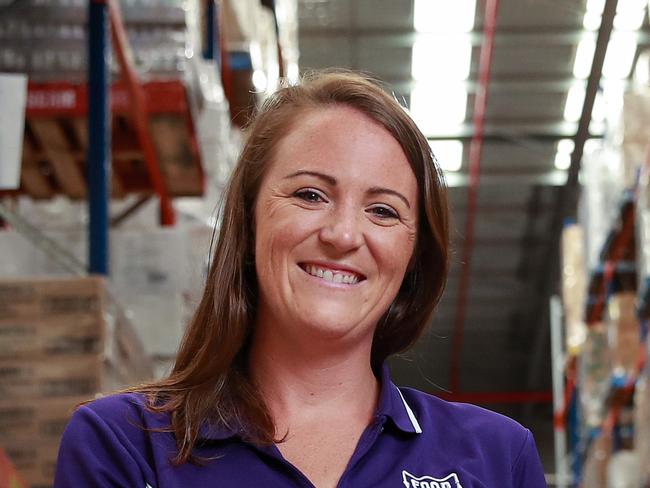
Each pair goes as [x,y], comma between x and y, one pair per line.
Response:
[70,123]
[617,263]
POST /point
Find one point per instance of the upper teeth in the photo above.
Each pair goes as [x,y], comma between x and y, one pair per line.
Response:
[333,276]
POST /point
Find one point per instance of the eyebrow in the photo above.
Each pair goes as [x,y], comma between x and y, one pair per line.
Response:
[329,179]
[375,190]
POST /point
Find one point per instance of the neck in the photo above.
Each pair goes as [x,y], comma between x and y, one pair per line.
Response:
[299,383]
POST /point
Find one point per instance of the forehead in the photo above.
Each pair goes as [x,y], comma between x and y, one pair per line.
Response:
[342,140]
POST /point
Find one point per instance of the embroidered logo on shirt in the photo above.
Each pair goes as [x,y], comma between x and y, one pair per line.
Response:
[449,481]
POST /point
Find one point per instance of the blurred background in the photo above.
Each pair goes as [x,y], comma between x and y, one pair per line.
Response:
[120,125]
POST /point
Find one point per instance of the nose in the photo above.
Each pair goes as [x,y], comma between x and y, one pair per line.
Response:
[342,230]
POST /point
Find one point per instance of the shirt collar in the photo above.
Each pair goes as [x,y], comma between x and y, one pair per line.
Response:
[392,404]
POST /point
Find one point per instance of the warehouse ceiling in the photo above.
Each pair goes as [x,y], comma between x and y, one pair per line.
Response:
[506,327]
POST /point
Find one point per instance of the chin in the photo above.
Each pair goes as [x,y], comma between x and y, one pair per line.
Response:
[332,327]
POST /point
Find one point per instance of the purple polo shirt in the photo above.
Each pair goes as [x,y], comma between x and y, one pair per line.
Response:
[415,440]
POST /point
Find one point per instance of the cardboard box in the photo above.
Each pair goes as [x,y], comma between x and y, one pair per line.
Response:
[36,421]
[52,377]
[57,320]
[43,336]
[23,299]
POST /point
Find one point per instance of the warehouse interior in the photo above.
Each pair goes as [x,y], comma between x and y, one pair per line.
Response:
[536,110]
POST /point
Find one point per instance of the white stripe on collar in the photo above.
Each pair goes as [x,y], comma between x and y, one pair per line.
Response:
[414,421]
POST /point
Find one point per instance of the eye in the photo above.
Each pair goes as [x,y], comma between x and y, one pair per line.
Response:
[383,212]
[310,195]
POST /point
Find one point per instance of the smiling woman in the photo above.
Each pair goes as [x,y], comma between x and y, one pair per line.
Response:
[331,256]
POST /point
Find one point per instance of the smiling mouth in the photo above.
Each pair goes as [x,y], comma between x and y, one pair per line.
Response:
[332,275]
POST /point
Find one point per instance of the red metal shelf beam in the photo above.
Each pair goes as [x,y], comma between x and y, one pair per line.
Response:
[139,112]
[475,153]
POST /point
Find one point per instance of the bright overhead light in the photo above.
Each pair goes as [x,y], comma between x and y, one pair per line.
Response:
[595,6]
[562,161]
[591,21]
[563,155]
[630,6]
[438,108]
[565,146]
[629,14]
[574,101]
[448,153]
[444,16]
[584,58]
[441,57]
[620,55]
[629,19]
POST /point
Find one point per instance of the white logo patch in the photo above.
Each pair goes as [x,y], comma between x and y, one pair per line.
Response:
[449,481]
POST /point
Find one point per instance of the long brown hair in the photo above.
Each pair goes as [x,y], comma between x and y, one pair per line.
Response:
[209,381]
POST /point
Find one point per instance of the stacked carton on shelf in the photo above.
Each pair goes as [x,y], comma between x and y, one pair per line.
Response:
[157,275]
[47,38]
[611,357]
[62,341]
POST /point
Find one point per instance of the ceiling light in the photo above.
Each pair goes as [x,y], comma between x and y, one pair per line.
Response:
[630,6]
[574,101]
[584,58]
[448,153]
[595,6]
[562,161]
[563,155]
[444,16]
[438,57]
[591,21]
[565,146]
[438,108]
[630,21]
[620,55]
[629,14]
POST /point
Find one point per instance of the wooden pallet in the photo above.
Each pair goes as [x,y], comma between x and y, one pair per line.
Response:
[56,142]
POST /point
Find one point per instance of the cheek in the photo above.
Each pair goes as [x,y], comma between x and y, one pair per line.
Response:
[279,232]
[394,254]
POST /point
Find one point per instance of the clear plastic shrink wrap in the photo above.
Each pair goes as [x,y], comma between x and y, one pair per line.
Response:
[595,362]
[574,287]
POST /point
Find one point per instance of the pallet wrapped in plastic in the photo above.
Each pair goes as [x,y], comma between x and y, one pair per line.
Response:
[574,287]
[47,38]
[642,425]
[595,367]
[624,334]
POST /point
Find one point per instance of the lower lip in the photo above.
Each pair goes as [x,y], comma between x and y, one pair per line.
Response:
[332,284]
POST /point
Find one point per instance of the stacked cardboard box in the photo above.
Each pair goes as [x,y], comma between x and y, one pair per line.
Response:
[61,342]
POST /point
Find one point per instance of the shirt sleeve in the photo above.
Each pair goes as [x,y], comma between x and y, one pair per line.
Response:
[527,471]
[95,455]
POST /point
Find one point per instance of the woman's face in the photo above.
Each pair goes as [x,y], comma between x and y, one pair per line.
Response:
[335,227]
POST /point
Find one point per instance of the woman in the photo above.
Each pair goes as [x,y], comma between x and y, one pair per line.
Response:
[332,253]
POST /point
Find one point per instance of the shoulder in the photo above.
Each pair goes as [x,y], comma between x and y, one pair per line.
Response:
[122,419]
[108,442]
[123,412]
[468,424]
[474,442]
